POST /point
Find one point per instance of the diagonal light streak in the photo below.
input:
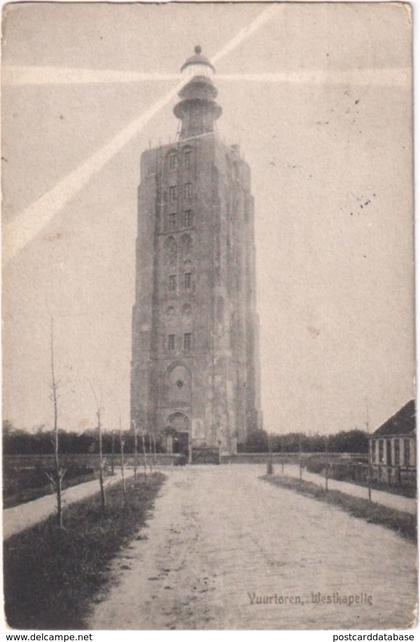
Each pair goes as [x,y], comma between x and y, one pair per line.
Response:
[33,219]
[246,31]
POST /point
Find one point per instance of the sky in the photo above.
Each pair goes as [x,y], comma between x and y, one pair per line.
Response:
[318,96]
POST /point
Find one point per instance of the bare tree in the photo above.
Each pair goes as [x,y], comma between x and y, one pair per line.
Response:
[150,453]
[57,478]
[270,456]
[300,457]
[101,458]
[122,442]
[135,450]
[112,450]
[282,454]
[144,455]
[154,450]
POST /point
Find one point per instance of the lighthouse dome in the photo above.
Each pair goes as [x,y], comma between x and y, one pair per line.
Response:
[197,65]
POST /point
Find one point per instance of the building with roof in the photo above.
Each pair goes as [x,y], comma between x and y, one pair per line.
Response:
[392,447]
[195,361]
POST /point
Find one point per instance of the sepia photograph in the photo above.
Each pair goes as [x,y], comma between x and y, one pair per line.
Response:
[209,414]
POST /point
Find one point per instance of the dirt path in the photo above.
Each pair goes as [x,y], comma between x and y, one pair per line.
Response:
[398,502]
[23,516]
[220,538]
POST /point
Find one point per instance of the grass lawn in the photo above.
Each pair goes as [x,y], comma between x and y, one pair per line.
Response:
[25,483]
[29,494]
[50,575]
[403,523]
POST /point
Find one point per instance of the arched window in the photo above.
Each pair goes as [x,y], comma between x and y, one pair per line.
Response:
[178,422]
[172,193]
[179,383]
[172,221]
[187,158]
[188,216]
[173,160]
[171,250]
[171,342]
[188,191]
[186,311]
[172,283]
[186,245]
[187,342]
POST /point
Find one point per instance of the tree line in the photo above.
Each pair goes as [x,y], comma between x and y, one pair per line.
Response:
[39,442]
[350,441]
[17,441]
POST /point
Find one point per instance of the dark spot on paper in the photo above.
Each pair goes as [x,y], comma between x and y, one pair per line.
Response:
[315,332]
[57,236]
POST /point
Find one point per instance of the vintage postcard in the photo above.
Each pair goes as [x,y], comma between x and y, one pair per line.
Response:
[208,309]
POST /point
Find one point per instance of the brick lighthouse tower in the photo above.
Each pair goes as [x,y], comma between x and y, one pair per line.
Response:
[195,360]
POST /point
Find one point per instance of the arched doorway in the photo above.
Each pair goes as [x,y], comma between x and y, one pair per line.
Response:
[178,429]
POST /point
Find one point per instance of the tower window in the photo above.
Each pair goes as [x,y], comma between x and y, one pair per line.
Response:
[187,280]
[187,159]
[171,342]
[188,218]
[172,193]
[187,341]
[188,191]
[172,221]
[172,283]
[172,161]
